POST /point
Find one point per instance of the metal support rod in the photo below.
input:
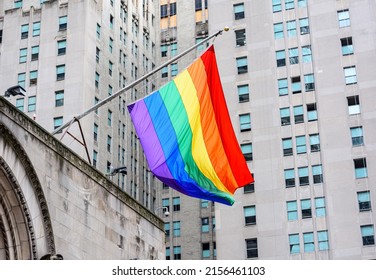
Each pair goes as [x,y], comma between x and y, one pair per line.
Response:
[131,85]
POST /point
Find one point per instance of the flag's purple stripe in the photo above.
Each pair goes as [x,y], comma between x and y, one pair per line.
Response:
[151,145]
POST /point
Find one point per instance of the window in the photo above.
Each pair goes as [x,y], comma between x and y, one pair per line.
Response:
[31,103]
[245,122]
[317,174]
[242,65]
[24,31]
[320,207]
[204,203]
[357,136]
[289,178]
[18,3]
[301,144]
[58,122]
[294,243]
[289,4]
[61,47]
[251,247]
[164,72]
[292,210]
[298,114]
[250,215]
[204,224]
[249,188]
[303,176]
[364,201]
[350,75]
[177,252]
[98,31]
[306,54]
[174,69]
[21,79]
[23,56]
[322,239]
[291,28]
[205,250]
[309,245]
[110,90]
[240,37]
[95,158]
[294,56]
[304,26]
[295,85]
[239,11]
[314,141]
[167,229]
[60,72]
[306,208]
[302,3]
[347,46]
[247,151]
[110,45]
[97,54]
[110,67]
[109,117]
[280,58]
[285,116]
[353,105]
[198,4]
[311,112]
[277,6]
[343,18]
[176,227]
[283,87]
[287,146]
[33,77]
[176,203]
[109,143]
[95,132]
[34,53]
[368,235]
[278,30]
[309,82]
[111,22]
[360,165]
[36,28]
[20,104]
[164,51]
[1,36]
[166,203]
[63,23]
[168,253]
[243,93]
[164,12]
[97,78]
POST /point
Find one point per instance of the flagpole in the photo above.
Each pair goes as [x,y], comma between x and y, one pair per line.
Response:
[134,83]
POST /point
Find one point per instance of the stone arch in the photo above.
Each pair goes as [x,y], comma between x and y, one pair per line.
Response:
[25,224]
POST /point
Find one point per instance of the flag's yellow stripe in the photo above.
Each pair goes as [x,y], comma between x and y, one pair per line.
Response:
[191,103]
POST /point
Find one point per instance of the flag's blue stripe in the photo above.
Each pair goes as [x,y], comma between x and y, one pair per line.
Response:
[168,141]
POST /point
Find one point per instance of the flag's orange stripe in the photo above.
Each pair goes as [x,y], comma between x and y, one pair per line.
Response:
[211,134]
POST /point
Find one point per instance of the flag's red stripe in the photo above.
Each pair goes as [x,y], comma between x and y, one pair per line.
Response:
[238,165]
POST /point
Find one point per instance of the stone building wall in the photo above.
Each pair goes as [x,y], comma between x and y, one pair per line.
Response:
[53,202]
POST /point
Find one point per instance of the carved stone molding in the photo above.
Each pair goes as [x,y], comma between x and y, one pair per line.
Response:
[37,188]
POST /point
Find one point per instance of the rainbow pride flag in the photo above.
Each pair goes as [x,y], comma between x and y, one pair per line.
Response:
[187,136]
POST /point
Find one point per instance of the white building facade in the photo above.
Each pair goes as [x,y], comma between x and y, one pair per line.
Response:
[299,81]
[68,56]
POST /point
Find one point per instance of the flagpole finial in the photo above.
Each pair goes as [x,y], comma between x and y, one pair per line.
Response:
[226,28]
